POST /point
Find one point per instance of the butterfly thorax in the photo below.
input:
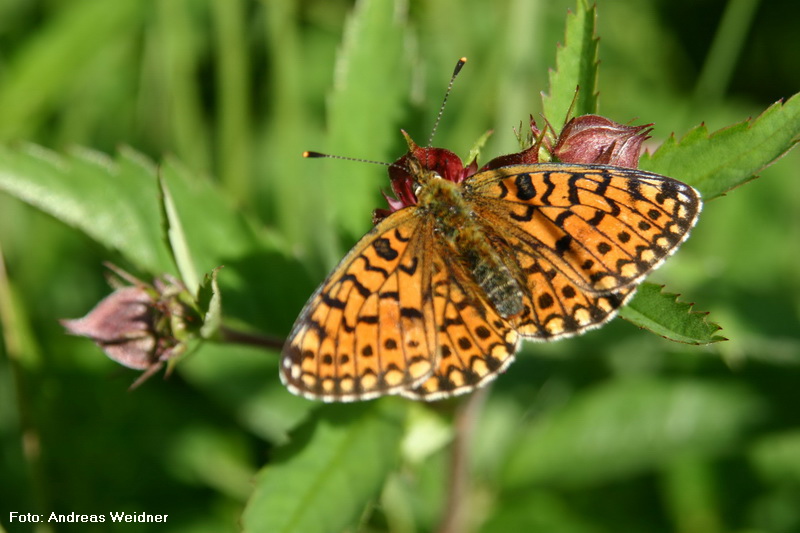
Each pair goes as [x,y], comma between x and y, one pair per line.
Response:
[459,229]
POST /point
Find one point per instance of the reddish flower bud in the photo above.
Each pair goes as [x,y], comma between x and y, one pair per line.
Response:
[121,324]
[138,326]
[592,139]
[526,157]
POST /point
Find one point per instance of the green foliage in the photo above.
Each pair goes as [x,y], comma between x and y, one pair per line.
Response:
[333,465]
[176,239]
[209,301]
[83,189]
[616,430]
[362,69]
[576,70]
[718,162]
[661,313]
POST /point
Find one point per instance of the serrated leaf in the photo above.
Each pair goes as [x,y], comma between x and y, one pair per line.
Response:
[663,314]
[324,479]
[627,427]
[716,163]
[115,202]
[176,239]
[576,67]
[210,302]
[368,97]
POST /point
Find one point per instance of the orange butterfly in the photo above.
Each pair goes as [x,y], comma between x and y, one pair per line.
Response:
[434,300]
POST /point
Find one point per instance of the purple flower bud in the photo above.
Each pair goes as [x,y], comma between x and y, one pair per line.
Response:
[135,326]
[592,139]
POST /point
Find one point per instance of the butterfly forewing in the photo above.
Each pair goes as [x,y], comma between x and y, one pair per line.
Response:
[604,228]
[368,330]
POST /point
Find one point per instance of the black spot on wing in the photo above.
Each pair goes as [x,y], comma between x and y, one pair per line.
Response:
[383,247]
[525,189]
[563,244]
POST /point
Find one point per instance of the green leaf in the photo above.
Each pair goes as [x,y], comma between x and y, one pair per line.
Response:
[258,275]
[176,239]
[627,427]
[210,303]
[576,68]
[663,314]
[370,89]
[115,202]
[475,151]
[716,163]
[324,479]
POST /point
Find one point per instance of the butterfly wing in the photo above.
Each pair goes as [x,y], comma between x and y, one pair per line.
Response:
[474,343]
[368,330]
[583,236]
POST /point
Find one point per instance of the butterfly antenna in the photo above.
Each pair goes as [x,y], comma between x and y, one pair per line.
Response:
[459,65]
[314,155]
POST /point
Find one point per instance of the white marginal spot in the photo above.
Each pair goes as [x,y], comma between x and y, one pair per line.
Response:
[582,316]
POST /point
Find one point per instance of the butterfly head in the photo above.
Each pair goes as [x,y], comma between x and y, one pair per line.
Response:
[417,167]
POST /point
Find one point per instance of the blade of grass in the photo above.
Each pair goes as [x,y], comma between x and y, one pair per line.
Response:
[725,50]
[234,103]
[34,77]
[368,95]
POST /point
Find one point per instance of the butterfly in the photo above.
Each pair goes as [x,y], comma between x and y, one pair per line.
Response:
[434,300]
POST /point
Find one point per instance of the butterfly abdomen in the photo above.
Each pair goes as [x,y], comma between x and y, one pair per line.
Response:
[491,274]
[456,225]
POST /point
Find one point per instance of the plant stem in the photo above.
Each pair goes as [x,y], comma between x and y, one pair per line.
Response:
[251,339]
[456,513]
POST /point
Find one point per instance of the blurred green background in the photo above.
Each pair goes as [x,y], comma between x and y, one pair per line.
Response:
[618,430]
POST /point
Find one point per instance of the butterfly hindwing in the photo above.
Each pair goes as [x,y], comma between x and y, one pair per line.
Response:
[474,343]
